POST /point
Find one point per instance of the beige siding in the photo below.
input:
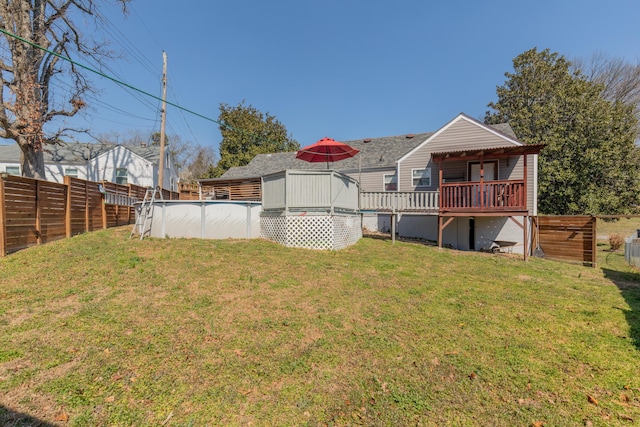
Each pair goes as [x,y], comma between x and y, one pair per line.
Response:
[371,180]
[518,173]
[460,135]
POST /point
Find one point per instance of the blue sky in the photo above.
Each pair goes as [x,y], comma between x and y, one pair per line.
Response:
[346,69]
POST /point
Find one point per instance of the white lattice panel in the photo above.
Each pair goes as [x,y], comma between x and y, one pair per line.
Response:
[331,232]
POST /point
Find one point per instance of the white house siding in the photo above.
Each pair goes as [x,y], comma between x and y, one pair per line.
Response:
[4,165]
[140,171]
[456,235]
[418,226]
[56,171]
[489,229]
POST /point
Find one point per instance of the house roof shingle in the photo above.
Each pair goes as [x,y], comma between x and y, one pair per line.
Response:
[374,153]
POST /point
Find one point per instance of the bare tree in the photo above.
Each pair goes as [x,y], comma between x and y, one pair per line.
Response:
[36,37]
[191,160]
[620,79]
[199,165]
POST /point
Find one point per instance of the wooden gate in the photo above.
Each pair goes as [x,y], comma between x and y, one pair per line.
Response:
[566,238]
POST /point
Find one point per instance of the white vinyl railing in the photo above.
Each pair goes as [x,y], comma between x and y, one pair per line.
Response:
[396,201]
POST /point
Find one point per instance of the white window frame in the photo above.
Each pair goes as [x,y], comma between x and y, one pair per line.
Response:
[11,170]
[425,175]
[393,179]
[119,176]
[70,172]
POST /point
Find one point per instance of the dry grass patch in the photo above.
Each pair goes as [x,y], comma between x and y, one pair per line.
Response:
[177,332]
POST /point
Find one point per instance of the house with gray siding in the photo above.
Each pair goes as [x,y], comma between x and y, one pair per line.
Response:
[468,185]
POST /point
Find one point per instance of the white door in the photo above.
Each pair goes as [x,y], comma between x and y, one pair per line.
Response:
[489,172]
[482,196]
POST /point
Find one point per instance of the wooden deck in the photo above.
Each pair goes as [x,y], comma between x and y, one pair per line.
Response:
[461,198]
[489,197]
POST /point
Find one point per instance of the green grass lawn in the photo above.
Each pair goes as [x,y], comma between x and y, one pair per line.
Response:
[623,226]
[101,330]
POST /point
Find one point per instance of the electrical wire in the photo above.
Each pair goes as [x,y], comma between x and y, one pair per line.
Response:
[123,84]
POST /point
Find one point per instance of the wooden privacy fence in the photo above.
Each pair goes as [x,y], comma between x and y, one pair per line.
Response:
[33,211]
[566,238]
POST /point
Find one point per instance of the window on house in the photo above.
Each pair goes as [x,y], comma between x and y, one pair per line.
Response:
[122,176]
[13,170]
[391,182]
[421,177]
[72,172]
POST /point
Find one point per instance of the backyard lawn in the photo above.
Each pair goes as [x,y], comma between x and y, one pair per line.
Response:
[100,330]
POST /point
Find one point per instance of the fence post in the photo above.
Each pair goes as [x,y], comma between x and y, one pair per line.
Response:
[129,194]
[67,211]
[86,206]
[38,213]
[104,211]
[3,228]
[594,242]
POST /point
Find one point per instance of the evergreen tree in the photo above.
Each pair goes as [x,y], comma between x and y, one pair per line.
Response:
[590,164]
[247,132]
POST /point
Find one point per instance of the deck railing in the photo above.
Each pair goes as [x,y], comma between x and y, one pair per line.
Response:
[488,196]
[396,201]
[491,196]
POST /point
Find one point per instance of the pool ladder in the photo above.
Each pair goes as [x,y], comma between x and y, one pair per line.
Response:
[144,213]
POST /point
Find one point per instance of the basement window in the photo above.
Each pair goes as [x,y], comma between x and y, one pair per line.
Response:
[72,172]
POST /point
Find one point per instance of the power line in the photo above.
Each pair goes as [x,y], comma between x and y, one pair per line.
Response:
[113,79]
[127,85]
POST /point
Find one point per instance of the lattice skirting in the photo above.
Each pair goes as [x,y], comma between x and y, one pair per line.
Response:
[331,232]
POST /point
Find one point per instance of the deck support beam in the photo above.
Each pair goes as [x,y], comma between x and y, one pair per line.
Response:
[441,227]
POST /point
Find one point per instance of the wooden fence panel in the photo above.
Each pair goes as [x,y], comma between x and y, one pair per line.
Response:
[138,192]
[116,215]
[20,211]
[35,211]
[94,204]
[567,238]
[52,209]
[77,205]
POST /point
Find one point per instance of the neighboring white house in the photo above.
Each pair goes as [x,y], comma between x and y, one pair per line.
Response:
[121,164]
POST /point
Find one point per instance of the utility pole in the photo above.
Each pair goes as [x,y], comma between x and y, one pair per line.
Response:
[163,121]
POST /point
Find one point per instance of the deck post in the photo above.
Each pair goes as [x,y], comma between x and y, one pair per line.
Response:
[526,189]
[526,245]
[393,226]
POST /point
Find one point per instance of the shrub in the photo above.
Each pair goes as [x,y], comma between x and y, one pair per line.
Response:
[615,241]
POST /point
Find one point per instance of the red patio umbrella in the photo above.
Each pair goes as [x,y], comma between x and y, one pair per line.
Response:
[326,150]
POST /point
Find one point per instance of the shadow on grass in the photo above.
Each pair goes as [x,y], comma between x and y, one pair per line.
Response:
[387,236]
[629,285]
[11,418]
